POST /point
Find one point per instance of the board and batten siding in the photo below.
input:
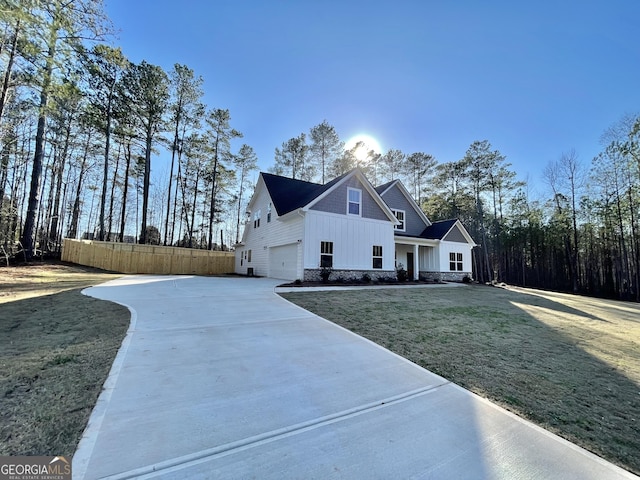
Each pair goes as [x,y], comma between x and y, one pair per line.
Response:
[353,241]
[457,247]
[430,260]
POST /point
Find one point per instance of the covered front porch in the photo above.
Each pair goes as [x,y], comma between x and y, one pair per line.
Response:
[419,257]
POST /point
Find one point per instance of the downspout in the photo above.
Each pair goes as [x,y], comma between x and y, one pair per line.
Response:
[301,247]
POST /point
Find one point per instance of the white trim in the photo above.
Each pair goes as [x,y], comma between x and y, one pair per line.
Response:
[389,187]
[397,228]
[329,245]
[423,242]
[458,261]
[359,202]
[341,216]
[256,193]
[374,256]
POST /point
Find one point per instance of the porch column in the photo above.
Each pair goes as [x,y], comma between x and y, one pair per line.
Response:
[416,262]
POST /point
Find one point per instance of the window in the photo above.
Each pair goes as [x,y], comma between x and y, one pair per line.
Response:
[455,261]
[269,213]
[400,216]
[354,199]
[326,254]
[256,218]
[249,256]
[377,256]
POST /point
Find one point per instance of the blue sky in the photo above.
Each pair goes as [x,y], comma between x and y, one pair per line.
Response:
[534,78]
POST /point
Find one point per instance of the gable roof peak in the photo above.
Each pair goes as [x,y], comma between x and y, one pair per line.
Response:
[440,229]
[386,186]
[383,189]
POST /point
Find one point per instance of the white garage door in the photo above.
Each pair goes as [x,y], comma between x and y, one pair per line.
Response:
[283,262]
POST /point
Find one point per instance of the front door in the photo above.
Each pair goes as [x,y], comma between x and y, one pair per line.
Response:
[410,271]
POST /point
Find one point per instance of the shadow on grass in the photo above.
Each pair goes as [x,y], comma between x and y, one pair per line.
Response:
[482,340]
[541,299]
[56,352]
[621,310]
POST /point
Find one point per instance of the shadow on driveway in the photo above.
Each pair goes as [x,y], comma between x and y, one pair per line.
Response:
[222,378]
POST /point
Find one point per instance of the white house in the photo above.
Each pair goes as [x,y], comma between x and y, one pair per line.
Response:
[297,228]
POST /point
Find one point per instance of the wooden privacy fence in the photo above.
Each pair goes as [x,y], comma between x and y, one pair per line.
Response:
[134,258]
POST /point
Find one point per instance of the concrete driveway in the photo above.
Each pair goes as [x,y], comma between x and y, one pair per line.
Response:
[221,378]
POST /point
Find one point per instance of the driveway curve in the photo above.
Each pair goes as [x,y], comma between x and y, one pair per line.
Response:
[222,378]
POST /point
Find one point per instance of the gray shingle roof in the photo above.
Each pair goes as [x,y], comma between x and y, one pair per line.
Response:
[382,188]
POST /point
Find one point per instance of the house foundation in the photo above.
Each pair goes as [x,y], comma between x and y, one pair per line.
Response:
[445,276]
[349,276]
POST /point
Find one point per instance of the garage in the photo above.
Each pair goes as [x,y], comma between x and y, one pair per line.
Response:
[283,262]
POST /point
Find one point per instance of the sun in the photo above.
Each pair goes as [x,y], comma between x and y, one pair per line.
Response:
[369,143]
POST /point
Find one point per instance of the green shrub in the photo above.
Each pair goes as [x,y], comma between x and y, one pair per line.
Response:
[401,273]
[325,273]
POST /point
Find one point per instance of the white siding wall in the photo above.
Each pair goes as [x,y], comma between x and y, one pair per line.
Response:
[353,240]
[240,268]
[448,247]
[268,234]
[429,259]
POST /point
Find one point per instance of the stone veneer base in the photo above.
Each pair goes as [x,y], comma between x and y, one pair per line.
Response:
[445,276]
[313,275]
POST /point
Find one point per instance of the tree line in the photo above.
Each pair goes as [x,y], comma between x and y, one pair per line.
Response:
[80,125]
[583,236]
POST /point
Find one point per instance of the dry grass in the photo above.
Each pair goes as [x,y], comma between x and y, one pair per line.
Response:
[570,364]
[56,349]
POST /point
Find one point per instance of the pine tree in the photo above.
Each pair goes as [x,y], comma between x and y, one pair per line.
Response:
[325,147]
[106,66]
[220,135]
[245,162]
[186,110]
[146,89]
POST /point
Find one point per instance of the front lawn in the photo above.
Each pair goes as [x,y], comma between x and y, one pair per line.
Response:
[56,349]
[570,364]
